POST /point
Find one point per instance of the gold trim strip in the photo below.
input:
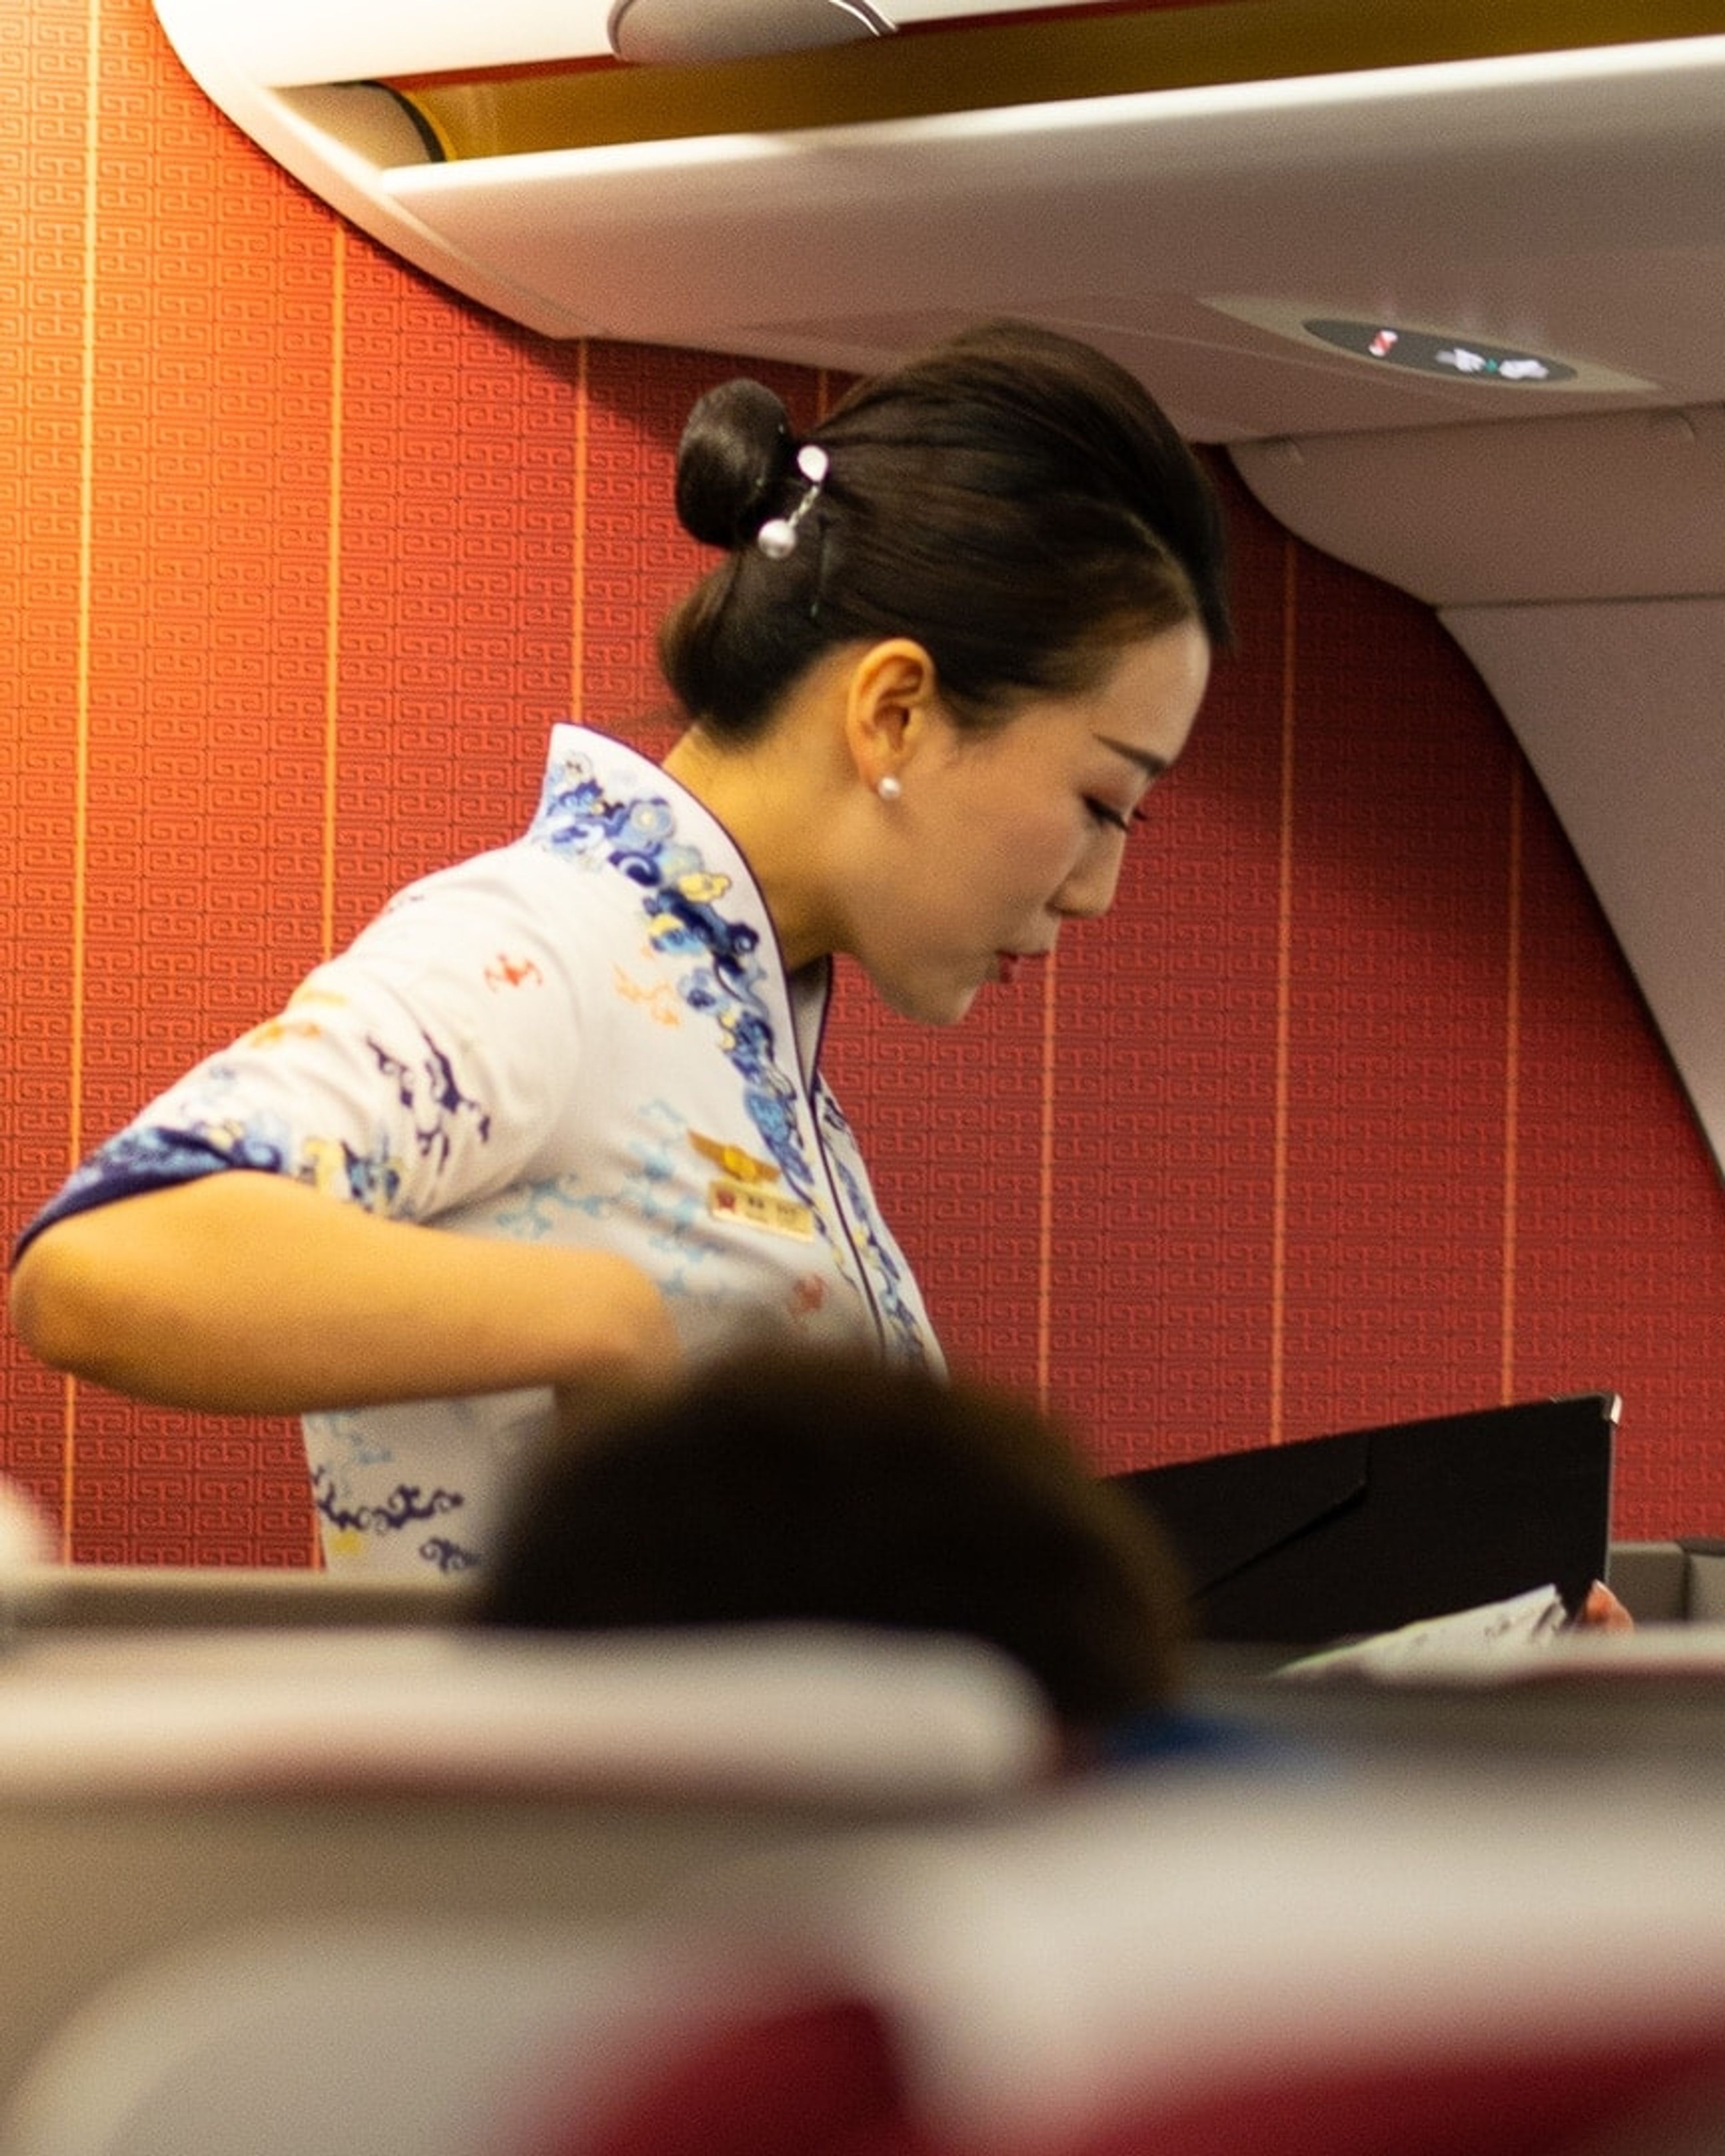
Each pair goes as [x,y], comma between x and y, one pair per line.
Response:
[1275,1417]
[1046,1176]
[1512,1081]
[83,701]
[965,69]
[578,537]
[332,592]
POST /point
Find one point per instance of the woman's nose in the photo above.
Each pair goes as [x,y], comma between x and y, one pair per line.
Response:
[1089,891]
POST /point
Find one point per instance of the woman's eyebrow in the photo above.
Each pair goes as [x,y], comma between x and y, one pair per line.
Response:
[1152,765]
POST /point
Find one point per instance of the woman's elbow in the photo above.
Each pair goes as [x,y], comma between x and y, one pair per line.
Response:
[56,1302]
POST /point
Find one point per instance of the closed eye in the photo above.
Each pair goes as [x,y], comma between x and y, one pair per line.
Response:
[1111,818]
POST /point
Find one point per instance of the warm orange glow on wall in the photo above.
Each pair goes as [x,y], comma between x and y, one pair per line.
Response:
[303,556]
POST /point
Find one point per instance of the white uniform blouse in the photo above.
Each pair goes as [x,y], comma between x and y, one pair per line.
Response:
[588,1037]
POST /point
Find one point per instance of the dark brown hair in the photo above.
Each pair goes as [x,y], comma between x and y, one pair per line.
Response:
[775,1485]
[1012,499]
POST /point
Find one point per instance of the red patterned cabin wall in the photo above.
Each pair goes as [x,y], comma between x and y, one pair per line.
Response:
[1348,1112]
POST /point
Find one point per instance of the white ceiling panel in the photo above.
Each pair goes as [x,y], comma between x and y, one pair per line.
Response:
[1621,710]
[1584,216]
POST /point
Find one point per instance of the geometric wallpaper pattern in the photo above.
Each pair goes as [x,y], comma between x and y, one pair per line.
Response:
[1350,1111]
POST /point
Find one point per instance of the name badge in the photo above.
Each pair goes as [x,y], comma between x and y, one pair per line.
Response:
[752,1207]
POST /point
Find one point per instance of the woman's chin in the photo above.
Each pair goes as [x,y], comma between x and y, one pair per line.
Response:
[928,1002]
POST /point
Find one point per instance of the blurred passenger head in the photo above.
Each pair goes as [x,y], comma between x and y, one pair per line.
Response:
[780,1486]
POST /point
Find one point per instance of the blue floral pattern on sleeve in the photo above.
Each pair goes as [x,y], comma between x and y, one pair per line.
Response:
[430,1095]
[147,1157]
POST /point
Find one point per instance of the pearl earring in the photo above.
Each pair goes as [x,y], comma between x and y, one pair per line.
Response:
[889,788]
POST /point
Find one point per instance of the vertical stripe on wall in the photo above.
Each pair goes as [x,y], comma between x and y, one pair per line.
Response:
[332,596]
[577,548]
[1512,1077]
[327,938]
[80,803]
[1045,1183]
[1276,1411]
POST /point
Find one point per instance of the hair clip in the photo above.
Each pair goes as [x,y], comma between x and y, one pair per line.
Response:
[776,537]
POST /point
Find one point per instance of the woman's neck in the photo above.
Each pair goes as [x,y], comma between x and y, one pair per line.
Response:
[770,803]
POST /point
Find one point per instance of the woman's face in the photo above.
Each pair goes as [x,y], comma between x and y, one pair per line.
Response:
[997,840]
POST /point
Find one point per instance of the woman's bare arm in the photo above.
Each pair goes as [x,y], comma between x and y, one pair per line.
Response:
[248,1293]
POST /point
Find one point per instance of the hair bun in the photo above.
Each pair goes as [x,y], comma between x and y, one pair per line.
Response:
[735,453]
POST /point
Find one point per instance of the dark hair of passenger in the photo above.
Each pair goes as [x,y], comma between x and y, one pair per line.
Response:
[776,1486]
[1012,499]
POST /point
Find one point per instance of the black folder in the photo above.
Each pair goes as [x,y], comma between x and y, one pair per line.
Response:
[1334,1538]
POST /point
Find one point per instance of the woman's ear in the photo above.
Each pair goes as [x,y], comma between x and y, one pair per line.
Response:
[891,707]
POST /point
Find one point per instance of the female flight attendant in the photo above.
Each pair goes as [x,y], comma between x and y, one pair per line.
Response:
[954,640]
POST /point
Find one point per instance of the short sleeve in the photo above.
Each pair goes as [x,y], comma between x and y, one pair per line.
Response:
[421,1069]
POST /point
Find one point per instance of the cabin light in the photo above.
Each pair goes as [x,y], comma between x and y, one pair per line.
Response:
[1466,358]
[670,33]
[1395,344]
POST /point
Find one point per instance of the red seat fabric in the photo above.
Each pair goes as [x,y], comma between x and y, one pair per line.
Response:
[826,2079]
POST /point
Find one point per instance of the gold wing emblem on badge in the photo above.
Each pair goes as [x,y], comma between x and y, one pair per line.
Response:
[732,1161]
